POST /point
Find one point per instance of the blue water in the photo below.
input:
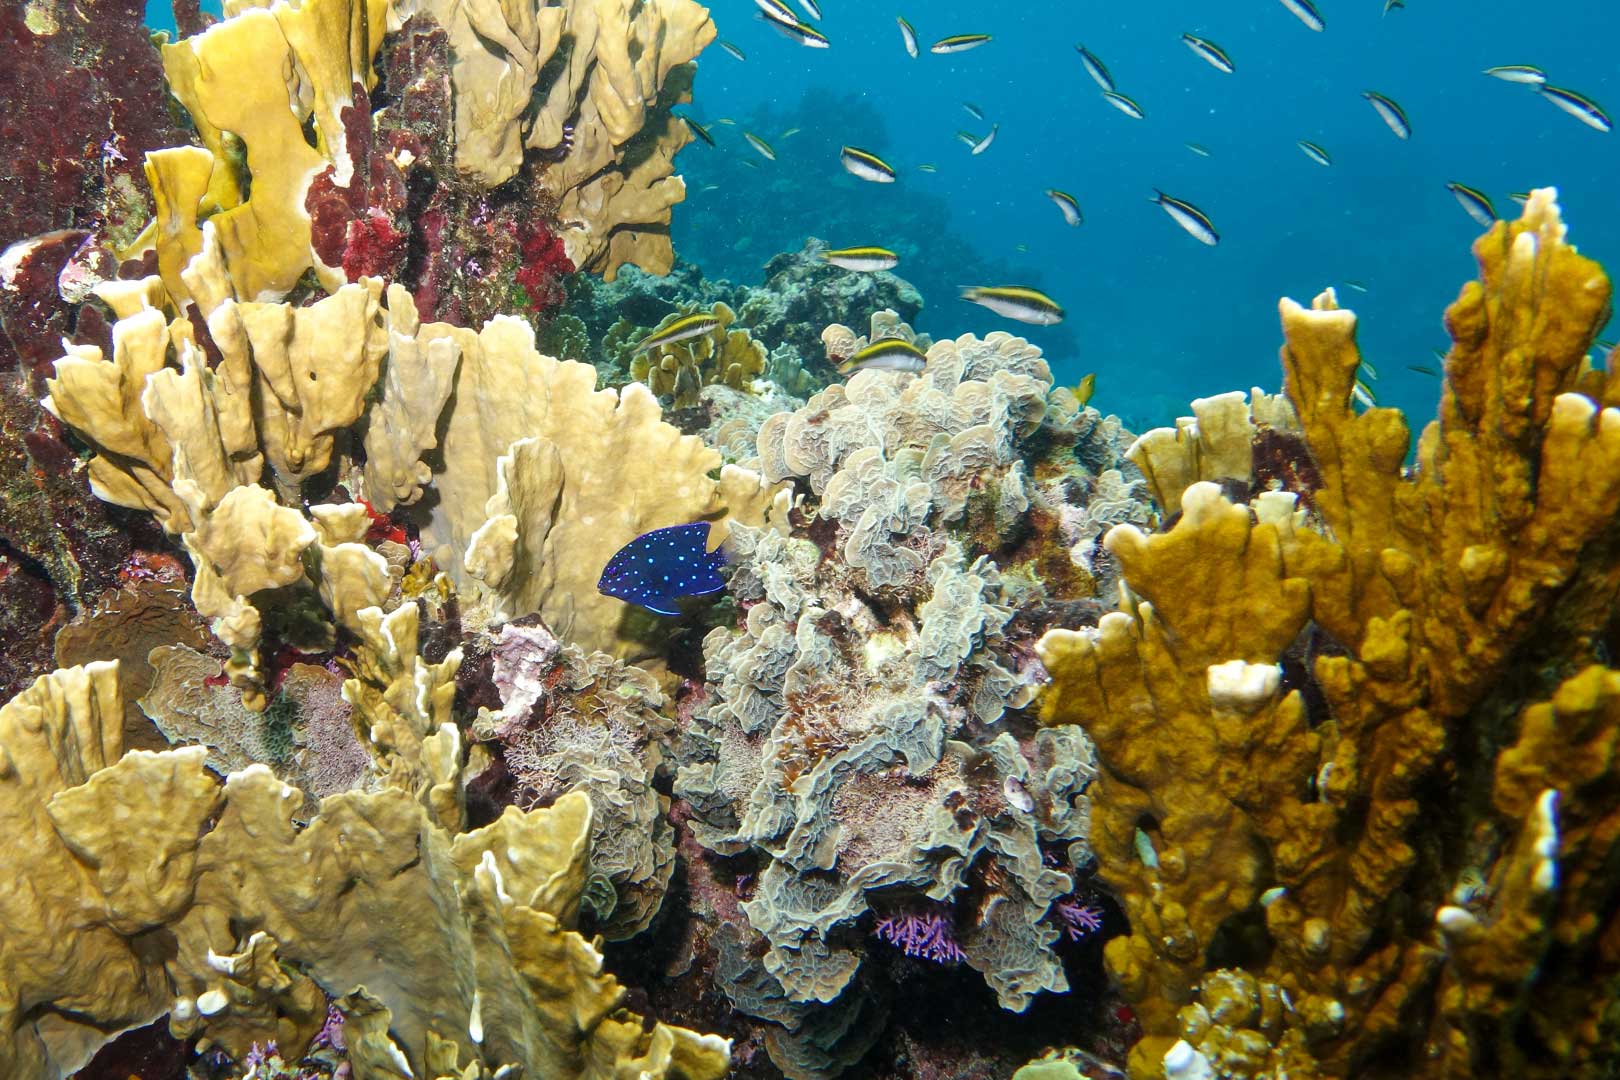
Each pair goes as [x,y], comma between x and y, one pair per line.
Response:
[1160,317]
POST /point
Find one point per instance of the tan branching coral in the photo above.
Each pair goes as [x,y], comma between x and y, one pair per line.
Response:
[1463,601]
[681,370]
[450,952]
[250,83]
[589,83]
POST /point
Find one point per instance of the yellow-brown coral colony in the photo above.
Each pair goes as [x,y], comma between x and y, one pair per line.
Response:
[1293,909]
[362,769]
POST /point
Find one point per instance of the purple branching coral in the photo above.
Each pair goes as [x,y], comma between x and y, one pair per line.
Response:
[1078,918]
[924,933]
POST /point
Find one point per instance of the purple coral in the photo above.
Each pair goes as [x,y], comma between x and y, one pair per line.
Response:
[924,933]
[1078,918]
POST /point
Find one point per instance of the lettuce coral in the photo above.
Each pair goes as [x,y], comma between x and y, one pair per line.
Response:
[724,356]
[1413,875]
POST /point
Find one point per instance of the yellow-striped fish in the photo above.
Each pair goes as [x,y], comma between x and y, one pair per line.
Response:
[908,36]
[1124,104]
[1068,204]
[1475,202]
[1390,113]
[958,43]
[1315,153]
[1579,106]
[1189,217]
[682,329]
[1016,302]
[761,145]
[1210,52]
[863,259]
[866,165]
[886,354]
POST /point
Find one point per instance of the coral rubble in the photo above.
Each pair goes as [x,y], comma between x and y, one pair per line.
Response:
[1391,853]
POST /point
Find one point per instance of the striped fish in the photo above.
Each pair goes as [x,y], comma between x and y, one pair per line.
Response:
[1579,106]
[733,50]
[958,43]
[811,8]
[1315,153]
[697,129]
[777,12]
[1305,12]
[907,35]
[886,354]
[1189,217]
[1209,51]
[1068,204]
[683,329]
[984,144]
[761,145]
[1095,68]
[1475,202]
[973,110]
[1391,113]
[866,165]
[1123,104]
[863,259]
[1016,302]
[805,35]
[1524,74]
[1198,148]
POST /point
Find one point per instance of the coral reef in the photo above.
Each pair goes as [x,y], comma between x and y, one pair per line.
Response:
[682,369]
[471,947]
[1388,852]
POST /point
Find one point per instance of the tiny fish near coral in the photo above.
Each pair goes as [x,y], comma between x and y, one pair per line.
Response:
[658,568]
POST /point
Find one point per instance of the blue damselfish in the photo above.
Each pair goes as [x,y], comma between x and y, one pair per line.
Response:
[658,568]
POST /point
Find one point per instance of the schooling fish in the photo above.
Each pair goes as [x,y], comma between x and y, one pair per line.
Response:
[1016,302]
[1306,12]
[805,35]
[658,568]
[1209,51]
[1579,106]
[1392,5]
[1356,285]
[984,144]
[1525,74]
[761,145]
[698,129]
[1520,197]
[973,110]
[863,259]
[1189,217]
[1198,148]
[1095,68]
[1123,104]
[927,168]
[733,50]
[777,11]
[907,35]
[1476,202]
[811,8]
[1423,369]
[867,166]
[1315,153]
[966,138]
[1068,204]
[789,133]
[682,329]
[886,354]
[1391,113]
[958,43]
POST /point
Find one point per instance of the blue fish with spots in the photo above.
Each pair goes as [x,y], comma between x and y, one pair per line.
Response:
[658,568]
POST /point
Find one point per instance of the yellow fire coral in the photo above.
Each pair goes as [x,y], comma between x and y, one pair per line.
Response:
[683,368]
[449,951]
[1244,834]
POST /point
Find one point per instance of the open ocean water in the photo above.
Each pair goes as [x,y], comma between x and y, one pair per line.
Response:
[1160,317]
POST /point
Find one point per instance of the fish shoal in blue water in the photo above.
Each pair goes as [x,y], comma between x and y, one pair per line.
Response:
[657,568]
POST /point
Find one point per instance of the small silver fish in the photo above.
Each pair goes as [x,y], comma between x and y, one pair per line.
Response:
[1198,148]
[811,8]
[1018,302]
[886,354]
[1475,202]
[908,36]
[958,43]
[1392,114]
[777,11]
[1210,52]
[984,144]
[862,259]
[866,165]
[1123,104]
[1068,204]
[1524,74]
[1306,12]
[733,50]
[1579,106]
[1315,153]
[973,110]
[1189,217]
[761,145]
[1095,68]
